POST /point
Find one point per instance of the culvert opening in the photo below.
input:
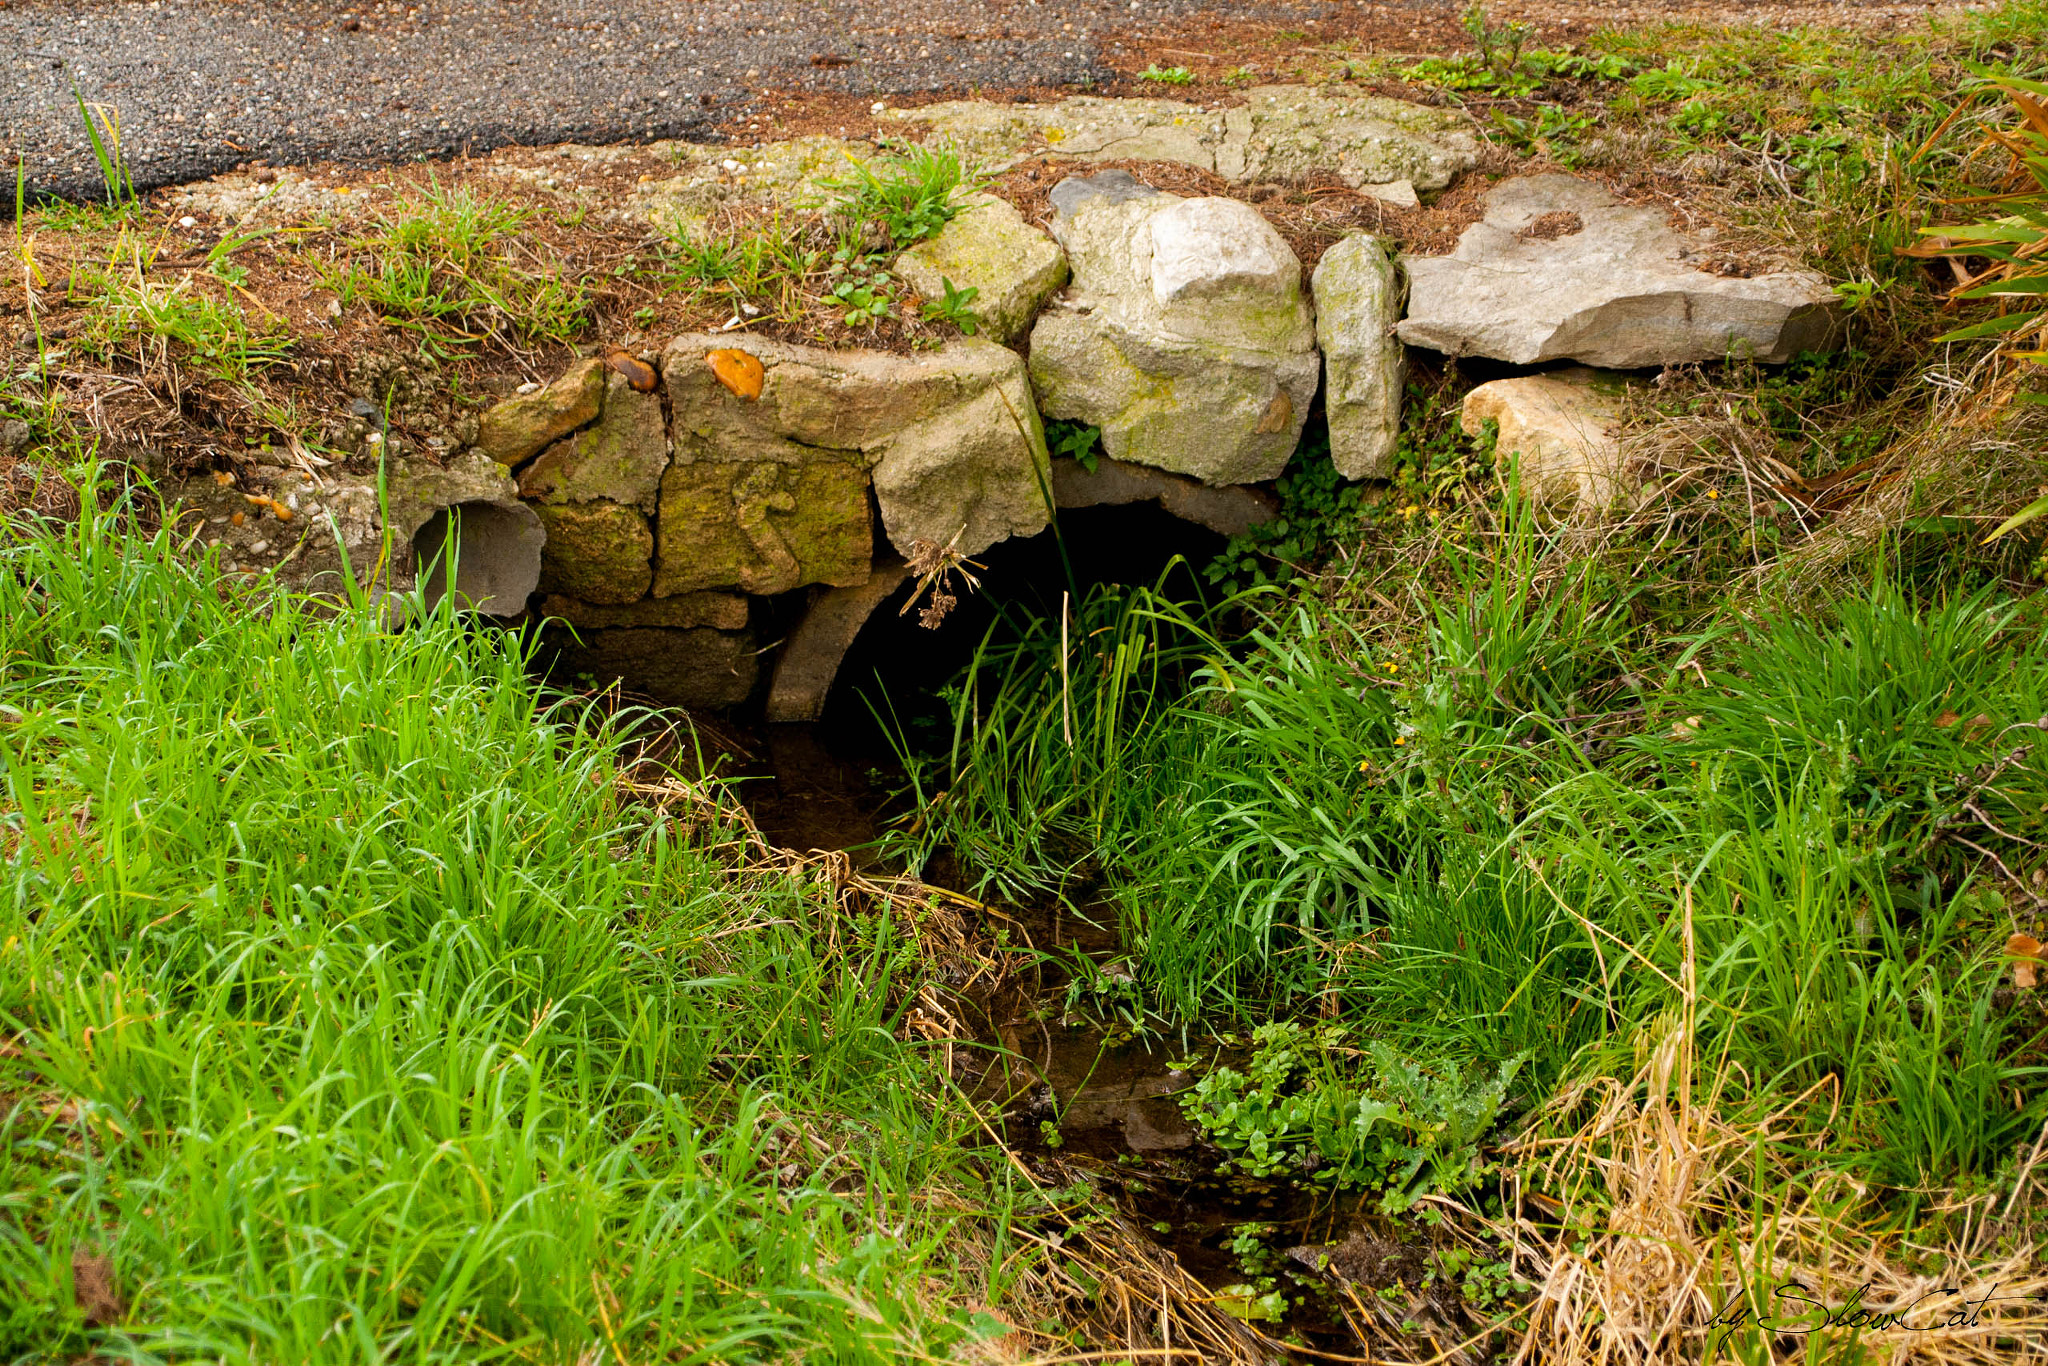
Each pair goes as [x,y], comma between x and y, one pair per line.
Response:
[490,552]
[898,664]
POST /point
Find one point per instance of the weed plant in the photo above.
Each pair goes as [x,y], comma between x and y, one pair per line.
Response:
[837,257]
[348,1012]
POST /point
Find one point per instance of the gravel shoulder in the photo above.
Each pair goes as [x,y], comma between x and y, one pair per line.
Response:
[204,85]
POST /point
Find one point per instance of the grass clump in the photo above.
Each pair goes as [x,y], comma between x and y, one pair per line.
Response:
[350,1009]
[1510,818]
[831,267]
[453,266]
[162,325]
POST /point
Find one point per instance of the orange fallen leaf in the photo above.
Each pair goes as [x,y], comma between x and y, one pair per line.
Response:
[737,371]
[637,373]
[1946,719]
[2025,952]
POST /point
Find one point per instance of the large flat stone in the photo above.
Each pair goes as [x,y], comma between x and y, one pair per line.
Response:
[951,437]
[1279,133]
[1185,336]
[1559,268]
[1358,302]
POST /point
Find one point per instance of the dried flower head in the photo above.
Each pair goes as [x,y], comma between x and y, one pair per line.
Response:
[934,565]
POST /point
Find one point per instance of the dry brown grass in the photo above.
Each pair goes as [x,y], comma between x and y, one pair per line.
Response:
[1692,1223]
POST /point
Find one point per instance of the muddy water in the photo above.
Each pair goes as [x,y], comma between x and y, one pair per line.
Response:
[1075,1092]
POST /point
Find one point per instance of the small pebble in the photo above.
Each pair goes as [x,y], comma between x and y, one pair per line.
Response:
[258,547]
[188,221]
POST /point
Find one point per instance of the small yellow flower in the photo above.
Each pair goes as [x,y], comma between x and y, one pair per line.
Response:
[1364,764]
[1713,493]
[1400,739]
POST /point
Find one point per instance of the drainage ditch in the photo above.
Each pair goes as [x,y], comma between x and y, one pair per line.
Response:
[1078,1097]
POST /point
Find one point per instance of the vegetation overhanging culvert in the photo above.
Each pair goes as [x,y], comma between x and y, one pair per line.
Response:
[1362,813]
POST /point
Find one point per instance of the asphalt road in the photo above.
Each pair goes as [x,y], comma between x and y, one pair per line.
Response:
[201,85]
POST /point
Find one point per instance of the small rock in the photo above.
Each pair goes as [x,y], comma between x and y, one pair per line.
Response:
[1564,431]
[13,437]
[1622,290]
[620,457]
[598,552]
[1358,302]
[989,247]
[1103,190]
[518,429]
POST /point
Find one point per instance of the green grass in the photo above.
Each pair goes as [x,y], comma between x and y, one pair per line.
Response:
[353,1015]
[1484,827]
[835,258]
[458,268]
[134,312]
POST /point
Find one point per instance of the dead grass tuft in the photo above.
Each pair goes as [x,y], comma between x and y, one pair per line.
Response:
[1694,1233]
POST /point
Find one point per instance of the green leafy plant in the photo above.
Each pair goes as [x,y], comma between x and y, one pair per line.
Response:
[899,198]
[1500,45]
[454,267]
[1550,131]
[770,267]
[445,1026]
[1318,508]
[955,308]
[131,311]
[1170,75]
[867,299]
[1076,441]
[1488,1285]
[1397,1127]
[2015,243]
